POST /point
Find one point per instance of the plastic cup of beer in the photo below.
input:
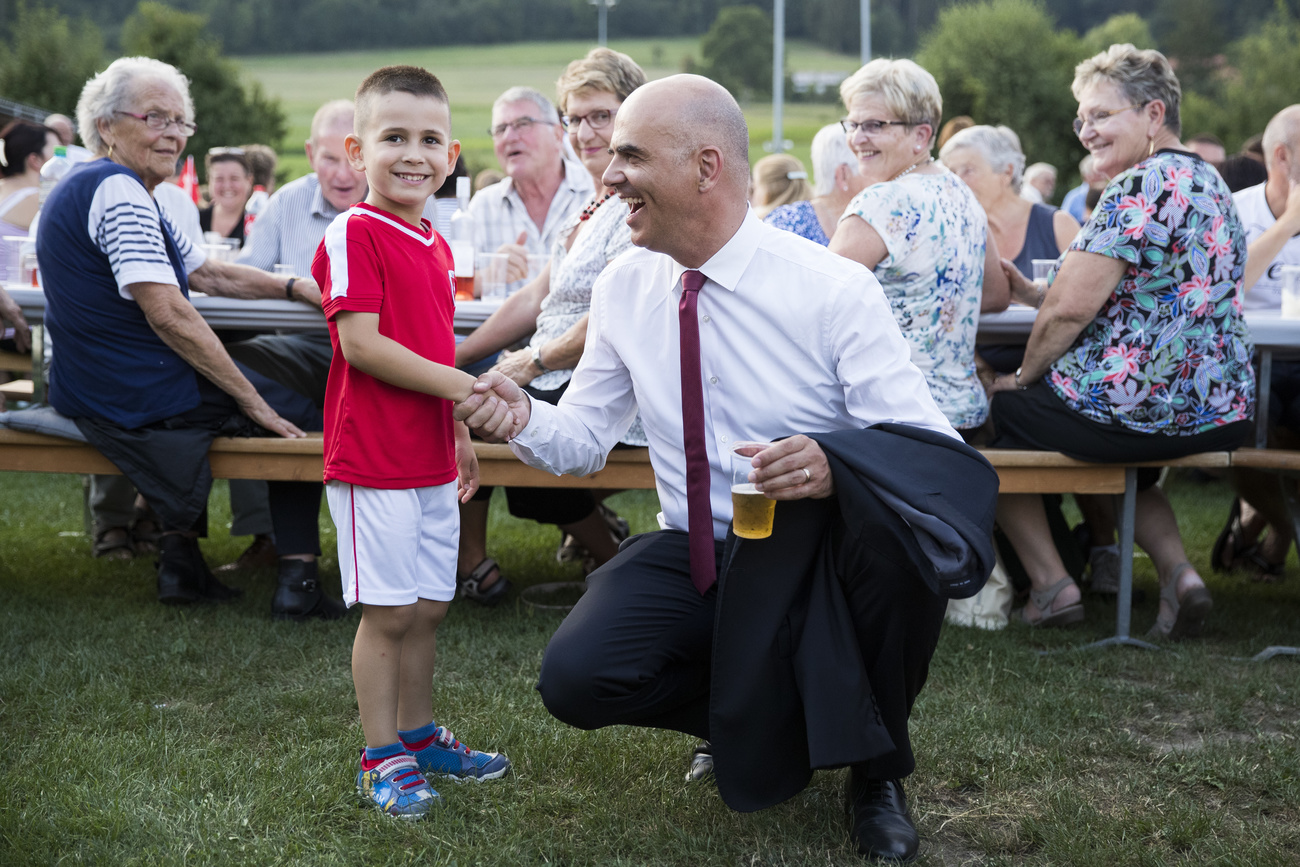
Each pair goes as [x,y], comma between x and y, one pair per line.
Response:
[751,511]
[462,254]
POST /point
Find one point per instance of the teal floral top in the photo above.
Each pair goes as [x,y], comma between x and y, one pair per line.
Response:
[1169,352]
[933,275]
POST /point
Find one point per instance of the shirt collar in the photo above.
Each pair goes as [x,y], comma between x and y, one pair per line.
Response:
[726,266]
[319,206]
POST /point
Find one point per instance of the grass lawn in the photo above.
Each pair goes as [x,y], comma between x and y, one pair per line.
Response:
[476,75]
[136,734]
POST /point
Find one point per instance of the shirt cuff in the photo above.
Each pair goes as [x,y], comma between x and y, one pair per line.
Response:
[539,430]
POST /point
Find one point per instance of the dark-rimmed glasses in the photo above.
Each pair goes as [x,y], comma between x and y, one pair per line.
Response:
[871,127]
[156,120]
[1100,116]
[520,126]
[598,119]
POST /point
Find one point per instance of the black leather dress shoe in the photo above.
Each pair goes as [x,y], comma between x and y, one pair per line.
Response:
[701,762]
[878,819]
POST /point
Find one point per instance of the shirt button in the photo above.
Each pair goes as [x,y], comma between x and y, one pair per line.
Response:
[713,379]
[706,317]
[723,438]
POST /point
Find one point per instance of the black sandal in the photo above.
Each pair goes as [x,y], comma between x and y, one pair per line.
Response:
[471,585]
[1231,545]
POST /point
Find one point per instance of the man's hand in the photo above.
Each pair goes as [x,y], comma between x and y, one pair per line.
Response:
[517,264]
[792,469]
[11,313]
[517,366]
[1291,213]
[260,411]
[306,290]
[497,409]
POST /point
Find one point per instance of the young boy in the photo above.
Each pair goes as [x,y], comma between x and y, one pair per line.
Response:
[395,461]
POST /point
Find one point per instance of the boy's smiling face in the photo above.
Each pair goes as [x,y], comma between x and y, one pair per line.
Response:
[405,150]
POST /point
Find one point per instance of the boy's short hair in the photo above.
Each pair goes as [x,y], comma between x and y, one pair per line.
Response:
[388,79]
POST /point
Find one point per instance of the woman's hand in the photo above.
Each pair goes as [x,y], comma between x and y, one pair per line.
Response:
[1023,290]
[1001,382]
[517,366]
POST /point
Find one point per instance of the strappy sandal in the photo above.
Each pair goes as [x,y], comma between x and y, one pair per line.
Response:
[1260,568]
[1043,600]
[1231,545]
[471,585]
[113,544]
[1188,613]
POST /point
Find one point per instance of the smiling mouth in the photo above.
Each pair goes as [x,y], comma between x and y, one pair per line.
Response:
[634,203]
[414,179]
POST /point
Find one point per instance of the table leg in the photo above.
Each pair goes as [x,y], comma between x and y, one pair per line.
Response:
[1262,397]
[38,363]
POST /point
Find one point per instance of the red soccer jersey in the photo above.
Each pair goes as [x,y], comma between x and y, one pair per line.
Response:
[379,435]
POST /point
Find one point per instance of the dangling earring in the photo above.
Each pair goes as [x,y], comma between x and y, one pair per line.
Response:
[1151,146]
[110,151]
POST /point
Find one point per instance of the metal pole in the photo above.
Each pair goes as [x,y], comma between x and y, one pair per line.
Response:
[602,26]
[865,23]
[778,75]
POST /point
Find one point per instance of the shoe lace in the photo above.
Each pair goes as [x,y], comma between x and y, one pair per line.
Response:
[445,739]
[413,783]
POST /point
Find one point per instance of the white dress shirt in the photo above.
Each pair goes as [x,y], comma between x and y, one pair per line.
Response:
[793,339]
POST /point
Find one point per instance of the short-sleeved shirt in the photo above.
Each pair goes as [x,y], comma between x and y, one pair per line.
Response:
[376,434]
[1257,218]
[100,232]
[800,218]
[1169,352]
[935,234]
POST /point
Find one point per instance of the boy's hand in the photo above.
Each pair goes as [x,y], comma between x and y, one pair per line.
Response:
[466,468]
[497,409]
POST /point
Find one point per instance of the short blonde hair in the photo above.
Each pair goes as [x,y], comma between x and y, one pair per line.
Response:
[602,70]
[779,179]
[1143,74]
[908,90]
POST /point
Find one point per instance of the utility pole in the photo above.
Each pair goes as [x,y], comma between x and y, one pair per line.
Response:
[865,23]
[602,18]
[779,143]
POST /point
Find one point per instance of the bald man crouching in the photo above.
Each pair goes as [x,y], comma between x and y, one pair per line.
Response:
[806,649]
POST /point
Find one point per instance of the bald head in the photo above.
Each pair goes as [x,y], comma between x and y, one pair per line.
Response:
[1284,131]
[702,114]
[62,126]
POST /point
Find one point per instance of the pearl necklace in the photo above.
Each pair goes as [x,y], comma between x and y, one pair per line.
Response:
[913,167]
[591,209]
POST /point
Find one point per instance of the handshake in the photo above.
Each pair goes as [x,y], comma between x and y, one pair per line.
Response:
[496,408]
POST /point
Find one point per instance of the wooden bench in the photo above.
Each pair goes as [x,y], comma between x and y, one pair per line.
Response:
[1019,472]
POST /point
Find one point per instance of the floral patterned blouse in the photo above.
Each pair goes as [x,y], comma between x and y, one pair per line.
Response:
[1169,352]
[933,275]
[800,218]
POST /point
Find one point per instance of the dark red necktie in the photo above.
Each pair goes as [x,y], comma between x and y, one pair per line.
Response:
[699,511]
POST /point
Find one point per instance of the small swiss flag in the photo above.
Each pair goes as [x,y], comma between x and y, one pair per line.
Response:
[190,179]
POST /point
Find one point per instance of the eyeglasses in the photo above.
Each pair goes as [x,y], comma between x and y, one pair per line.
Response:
[225,152]
[156,120]
[871,127]
[596,119]
[1098,116]
[520,126]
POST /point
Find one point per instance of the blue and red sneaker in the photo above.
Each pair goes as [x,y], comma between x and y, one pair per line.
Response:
[442,755]
[397,787]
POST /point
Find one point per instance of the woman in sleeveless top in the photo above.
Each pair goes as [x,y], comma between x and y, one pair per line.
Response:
[26,147]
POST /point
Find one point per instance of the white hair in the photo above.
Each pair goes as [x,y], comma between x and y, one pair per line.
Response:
[998,145]
[1283,129]
[830,150]
[529,94]
[335,113]
[111,90]
[1038,169]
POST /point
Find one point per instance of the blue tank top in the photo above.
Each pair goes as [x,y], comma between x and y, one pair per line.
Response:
[1040,239]
[108,361]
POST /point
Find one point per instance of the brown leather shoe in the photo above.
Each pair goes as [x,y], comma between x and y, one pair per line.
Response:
[260,554]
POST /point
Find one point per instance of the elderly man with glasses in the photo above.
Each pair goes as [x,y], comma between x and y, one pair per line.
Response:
[542,188]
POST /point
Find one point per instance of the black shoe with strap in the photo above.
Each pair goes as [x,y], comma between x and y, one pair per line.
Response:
[298,595]
[701,762]
[184,576]
[879,822]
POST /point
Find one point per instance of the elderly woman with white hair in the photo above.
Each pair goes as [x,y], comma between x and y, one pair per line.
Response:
[142,375]
[835,182]
[921,230]
[1139,351]
[990,161]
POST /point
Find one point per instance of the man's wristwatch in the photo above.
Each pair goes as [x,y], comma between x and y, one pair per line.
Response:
[1015,377]
[537,360]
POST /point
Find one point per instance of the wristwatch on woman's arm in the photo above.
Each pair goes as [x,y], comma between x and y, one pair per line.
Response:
[537,360]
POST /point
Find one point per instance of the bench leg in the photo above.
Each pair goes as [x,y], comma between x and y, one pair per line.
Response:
[1124,604]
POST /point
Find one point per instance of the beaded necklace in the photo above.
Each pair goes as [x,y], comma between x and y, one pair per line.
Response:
[591,209]
[911,168]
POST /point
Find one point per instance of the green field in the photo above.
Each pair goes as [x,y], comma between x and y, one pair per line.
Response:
[476,75]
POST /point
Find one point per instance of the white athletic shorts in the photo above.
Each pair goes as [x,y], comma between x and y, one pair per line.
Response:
[395,546]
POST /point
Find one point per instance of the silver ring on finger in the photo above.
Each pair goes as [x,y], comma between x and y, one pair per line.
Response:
[807,476]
